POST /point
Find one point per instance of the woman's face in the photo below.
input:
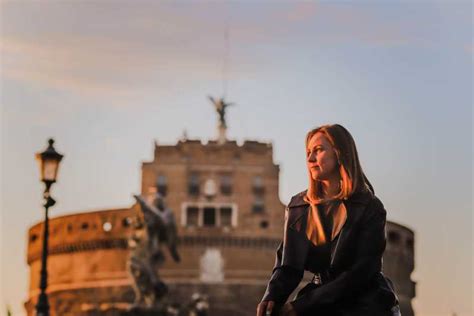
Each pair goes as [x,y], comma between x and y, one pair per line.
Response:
[321,158]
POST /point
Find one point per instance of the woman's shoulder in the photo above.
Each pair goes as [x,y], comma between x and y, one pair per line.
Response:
[375,207]
[296,212]
[366,204]
[298,200]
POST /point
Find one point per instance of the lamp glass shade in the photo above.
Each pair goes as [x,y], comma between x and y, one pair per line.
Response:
[49,163]
[50,170]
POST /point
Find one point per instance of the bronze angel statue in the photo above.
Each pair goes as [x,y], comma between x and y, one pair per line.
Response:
[157,228]
[221,107]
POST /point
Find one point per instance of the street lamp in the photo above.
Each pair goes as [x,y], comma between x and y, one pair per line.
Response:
[49,164]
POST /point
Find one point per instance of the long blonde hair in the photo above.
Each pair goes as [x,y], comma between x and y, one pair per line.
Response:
[352,180]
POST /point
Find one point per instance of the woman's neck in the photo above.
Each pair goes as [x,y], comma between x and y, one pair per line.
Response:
[330,188]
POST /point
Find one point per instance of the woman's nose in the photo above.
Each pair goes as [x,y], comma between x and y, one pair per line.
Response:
[312,157]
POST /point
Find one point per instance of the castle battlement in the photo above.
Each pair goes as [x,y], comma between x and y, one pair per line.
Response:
[250,152]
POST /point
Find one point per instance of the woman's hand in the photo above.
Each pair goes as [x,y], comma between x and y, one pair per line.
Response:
[288,310]
[265,308]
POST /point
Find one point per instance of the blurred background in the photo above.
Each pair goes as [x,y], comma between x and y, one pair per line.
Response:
[123,88]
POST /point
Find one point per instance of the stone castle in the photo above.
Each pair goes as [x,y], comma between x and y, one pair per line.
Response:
[230,220]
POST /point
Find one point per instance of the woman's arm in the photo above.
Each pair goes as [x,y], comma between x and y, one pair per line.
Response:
[283,281]
[368,262]
[289,263]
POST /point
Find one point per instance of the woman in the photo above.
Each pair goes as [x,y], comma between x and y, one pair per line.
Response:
[336,230]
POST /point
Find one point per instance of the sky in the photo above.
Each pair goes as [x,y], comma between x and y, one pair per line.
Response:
[108,78]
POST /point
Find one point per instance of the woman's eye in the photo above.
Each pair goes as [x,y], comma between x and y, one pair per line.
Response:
[316,150]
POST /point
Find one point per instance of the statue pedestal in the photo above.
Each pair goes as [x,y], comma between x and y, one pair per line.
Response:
[221,134]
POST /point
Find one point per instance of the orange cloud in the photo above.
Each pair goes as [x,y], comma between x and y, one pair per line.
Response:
[101,67]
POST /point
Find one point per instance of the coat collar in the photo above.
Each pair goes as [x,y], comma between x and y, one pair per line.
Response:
[355,199]
[356,202]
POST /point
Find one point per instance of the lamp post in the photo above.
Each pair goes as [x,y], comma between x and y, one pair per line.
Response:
[49,163]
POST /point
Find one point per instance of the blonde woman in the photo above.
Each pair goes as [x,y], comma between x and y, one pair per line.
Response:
[336,230]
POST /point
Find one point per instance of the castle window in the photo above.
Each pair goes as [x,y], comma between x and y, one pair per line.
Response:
[192,216]
[33,238]
[226,184]
[69,227]
[257,186]
[209,215]
[162,185]
[126,222]
[394,237]
[258,205]
[193,184]
[85,226]
[226,216]
[264,224]
[409,243]
[209,218]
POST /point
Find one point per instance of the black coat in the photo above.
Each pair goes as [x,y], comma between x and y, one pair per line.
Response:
[354,283]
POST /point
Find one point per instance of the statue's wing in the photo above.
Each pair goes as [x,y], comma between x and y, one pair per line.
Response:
[212,100]
[150,209]
[158,214]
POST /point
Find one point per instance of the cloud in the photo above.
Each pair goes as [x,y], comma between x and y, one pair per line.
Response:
[99,49]
[328,24]
[92,49]
[79,67]
[100,66]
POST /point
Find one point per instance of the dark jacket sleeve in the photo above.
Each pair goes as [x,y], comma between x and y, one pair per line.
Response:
[370,246]
[289,263]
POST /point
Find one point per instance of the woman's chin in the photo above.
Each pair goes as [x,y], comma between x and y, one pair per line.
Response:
[319,177]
